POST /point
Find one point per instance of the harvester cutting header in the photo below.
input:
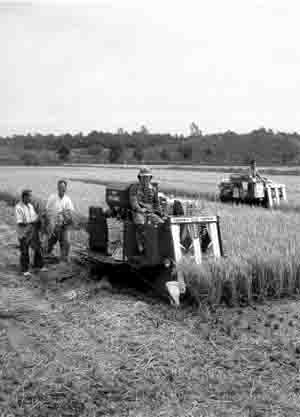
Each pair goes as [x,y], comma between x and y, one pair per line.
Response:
[144,234]
[251,188]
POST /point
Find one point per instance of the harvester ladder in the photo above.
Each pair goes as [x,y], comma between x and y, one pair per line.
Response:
[212,224]
[273,193]
[283,192]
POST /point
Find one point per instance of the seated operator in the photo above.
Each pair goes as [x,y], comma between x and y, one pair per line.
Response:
[145,205]
[253,172]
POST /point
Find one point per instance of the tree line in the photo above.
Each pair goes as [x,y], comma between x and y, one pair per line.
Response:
[226,147]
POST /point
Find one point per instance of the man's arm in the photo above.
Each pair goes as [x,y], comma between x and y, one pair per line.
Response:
[69,205]
[156,202]
[49,203]
[35,216]
[133,199]
[258,175]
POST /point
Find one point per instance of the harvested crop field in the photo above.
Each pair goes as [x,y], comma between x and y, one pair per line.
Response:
[185,182]
[262,247]
[71,348]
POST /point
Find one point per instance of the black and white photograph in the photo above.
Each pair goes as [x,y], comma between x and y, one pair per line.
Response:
[149,208]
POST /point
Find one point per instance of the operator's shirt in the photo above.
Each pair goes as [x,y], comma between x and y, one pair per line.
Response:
[140,196]
[56,206]
[24,213]
[254,174]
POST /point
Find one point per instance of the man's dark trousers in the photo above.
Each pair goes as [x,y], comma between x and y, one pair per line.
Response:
[25,244]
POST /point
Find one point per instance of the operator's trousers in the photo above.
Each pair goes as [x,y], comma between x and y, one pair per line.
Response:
[60,234]
[140,219]
[31,240]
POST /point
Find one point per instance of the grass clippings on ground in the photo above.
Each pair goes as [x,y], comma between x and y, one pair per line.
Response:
[71,349]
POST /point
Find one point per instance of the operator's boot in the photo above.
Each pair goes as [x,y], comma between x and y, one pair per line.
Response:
[140,238]
[140,258]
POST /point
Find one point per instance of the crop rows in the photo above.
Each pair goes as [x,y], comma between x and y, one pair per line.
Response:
[262,247]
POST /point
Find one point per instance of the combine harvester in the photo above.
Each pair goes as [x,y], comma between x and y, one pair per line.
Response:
[246,189]
[182,238]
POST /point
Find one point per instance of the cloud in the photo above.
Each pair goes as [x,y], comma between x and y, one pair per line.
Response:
[104,64]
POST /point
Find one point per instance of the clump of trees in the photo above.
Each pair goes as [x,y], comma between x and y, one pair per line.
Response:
[265,145]
[138,153]
[30,159]
[165,154]
[63,152]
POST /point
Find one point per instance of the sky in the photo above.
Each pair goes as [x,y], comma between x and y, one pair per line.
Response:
[70,66]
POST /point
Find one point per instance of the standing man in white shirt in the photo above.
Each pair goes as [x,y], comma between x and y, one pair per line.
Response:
[59,210]
[28,235]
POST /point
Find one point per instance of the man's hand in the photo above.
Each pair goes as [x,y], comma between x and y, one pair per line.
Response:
[67,218]
[142,209]
[22,224]
[145,206]
[108,213]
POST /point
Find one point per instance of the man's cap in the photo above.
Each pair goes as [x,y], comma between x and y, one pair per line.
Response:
[145,172]
[26,192]
[62,182]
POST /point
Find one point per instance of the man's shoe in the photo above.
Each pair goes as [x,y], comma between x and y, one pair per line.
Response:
[27,274]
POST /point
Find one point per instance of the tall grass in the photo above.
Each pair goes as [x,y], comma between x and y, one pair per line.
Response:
[262,257]
[243,281]
[262,246]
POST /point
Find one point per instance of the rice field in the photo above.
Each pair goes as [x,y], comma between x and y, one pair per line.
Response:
[262,247]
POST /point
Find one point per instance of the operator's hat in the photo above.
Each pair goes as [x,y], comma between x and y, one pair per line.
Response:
[145,172]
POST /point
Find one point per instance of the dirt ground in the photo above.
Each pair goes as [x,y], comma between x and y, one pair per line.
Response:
[71,348]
